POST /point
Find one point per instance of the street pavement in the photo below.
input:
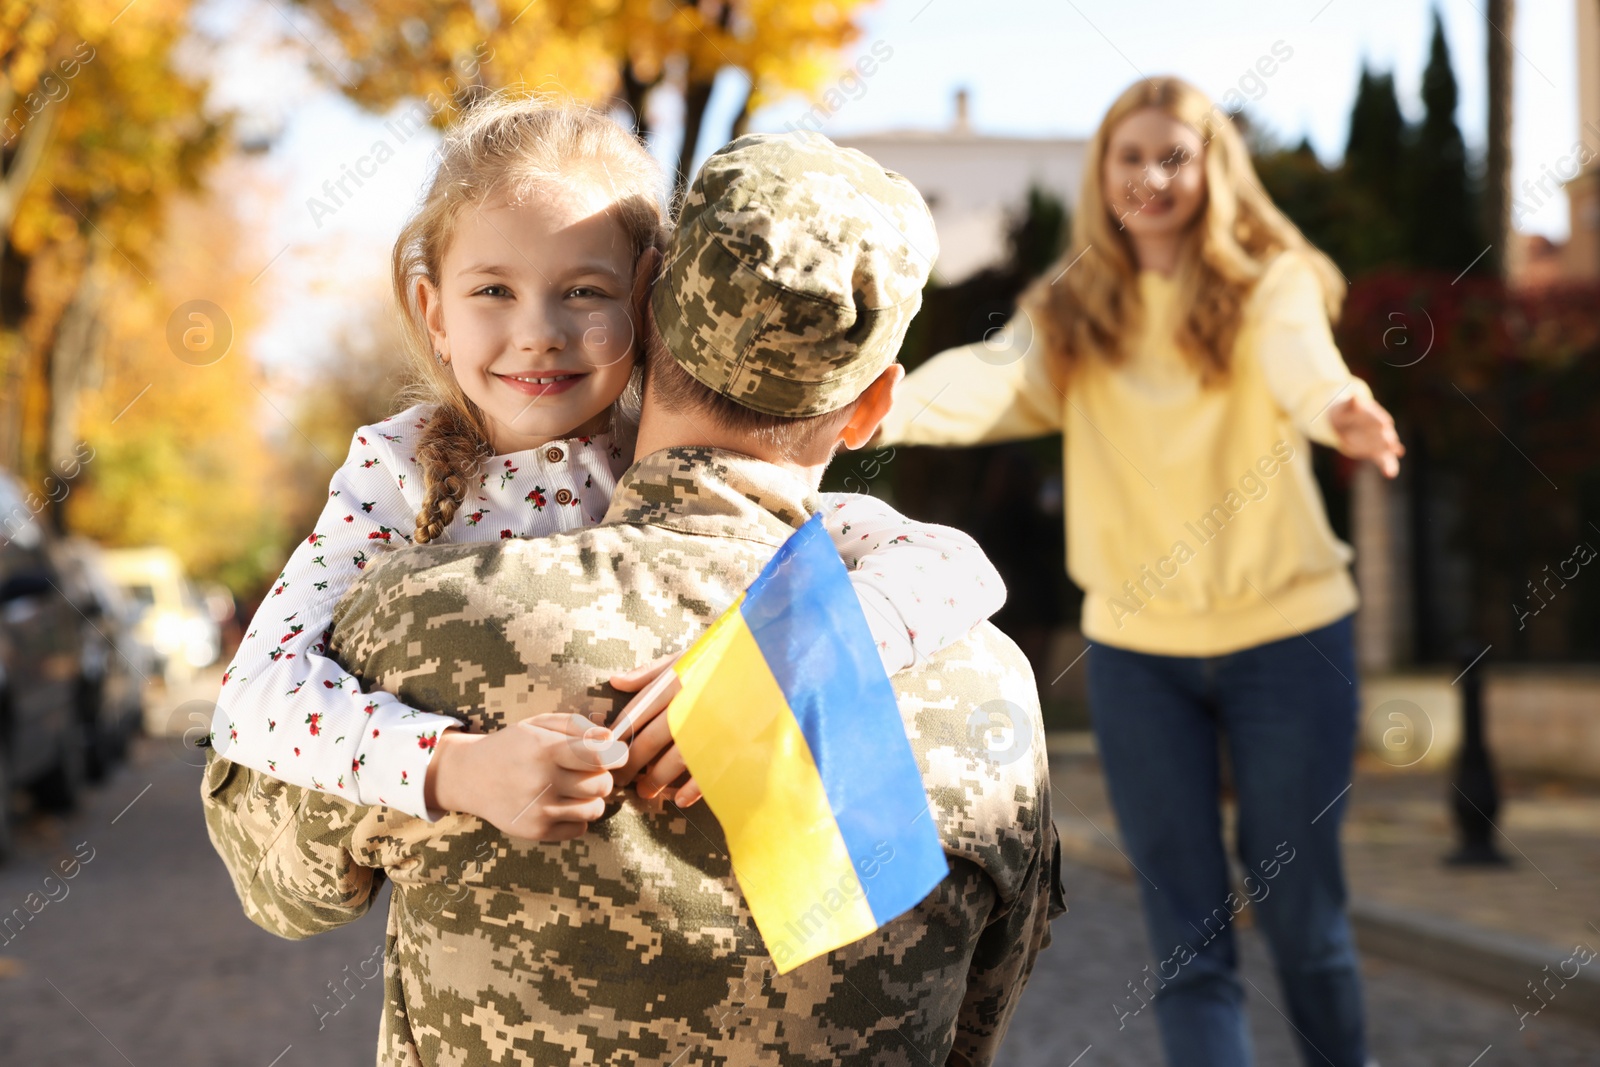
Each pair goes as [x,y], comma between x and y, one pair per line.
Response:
[142,958]
[1074,1002]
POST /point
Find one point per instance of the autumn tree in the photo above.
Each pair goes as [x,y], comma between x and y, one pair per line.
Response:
[360,378]
[610,52]
[191,442]
[101,128]
[125,290]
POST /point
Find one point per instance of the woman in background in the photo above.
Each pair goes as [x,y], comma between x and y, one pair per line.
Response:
[1182,349]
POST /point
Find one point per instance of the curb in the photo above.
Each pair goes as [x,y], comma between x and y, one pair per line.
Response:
[1495,962]
[1491,961]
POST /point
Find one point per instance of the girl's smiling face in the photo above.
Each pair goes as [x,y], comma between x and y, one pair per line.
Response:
[533,310]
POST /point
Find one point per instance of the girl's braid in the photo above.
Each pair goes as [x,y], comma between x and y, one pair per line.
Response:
[450,452]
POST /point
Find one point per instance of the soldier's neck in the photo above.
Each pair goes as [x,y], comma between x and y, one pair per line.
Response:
[660,427]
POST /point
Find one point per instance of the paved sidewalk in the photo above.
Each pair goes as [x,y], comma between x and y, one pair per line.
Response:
[1497,927]
[1076,1009]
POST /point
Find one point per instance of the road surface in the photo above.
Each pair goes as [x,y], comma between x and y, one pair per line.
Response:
[142,958]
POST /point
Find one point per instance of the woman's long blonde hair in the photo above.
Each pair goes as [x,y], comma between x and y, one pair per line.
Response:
[506,146]
[1087,311]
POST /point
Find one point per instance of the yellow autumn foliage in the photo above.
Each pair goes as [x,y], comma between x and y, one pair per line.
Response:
[187,447]
[602,51]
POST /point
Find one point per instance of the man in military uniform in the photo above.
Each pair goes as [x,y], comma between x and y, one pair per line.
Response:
[785,297]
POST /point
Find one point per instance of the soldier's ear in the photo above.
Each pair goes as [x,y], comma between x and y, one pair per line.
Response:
[872,407]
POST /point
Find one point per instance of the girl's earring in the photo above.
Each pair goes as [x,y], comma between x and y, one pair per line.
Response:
[444,361]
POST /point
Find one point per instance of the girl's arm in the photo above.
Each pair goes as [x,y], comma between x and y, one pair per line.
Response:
[998,389]
[922,586]
[289,710]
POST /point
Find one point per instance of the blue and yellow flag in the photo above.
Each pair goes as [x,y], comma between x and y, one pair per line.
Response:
[791,729]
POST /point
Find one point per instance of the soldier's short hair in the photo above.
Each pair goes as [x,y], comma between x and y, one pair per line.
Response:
[669,384]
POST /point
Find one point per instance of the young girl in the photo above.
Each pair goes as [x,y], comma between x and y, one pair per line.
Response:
[1182,349]
[522,276]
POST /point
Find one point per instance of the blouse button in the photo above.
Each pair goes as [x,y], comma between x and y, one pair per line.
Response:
[553,454]
[563,496]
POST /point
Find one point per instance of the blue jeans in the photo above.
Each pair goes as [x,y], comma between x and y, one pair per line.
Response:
[1286,712]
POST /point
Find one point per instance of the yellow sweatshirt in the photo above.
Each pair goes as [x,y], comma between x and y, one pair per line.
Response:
[1194,523]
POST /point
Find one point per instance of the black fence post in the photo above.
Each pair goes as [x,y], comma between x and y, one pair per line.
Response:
[1475,796]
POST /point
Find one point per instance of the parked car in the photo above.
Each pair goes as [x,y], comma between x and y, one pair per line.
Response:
[42,737]
[224,611]
[174,619]
[117,662]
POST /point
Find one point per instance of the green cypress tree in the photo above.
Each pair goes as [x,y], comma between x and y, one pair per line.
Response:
[1445,231]
[1037,233]
[1309,194]
[1376,145]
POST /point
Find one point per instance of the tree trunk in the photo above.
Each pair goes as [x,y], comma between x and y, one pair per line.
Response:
[30,152]
[741,121]
[13,381]
[13,355]
[1497,176]
[695,98]
[22,165]
[69,360]
[696,95]
[634,92]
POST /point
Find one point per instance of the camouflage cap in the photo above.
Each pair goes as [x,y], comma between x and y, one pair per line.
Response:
[795,268]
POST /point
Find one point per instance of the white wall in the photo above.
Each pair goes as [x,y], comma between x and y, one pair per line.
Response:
[972,182]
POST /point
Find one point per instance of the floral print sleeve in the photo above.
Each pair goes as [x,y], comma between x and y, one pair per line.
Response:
[922,586]
[288,709]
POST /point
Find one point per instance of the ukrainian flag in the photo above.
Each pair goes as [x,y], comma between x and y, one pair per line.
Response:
[791,728]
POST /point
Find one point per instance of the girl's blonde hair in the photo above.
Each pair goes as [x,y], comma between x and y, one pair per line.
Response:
[1087,311]
[509,147]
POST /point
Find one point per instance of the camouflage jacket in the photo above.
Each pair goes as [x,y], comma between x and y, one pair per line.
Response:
[633,944]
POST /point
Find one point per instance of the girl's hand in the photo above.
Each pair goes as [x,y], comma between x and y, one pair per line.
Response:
[648,732]
[544,778]
[1366,431]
